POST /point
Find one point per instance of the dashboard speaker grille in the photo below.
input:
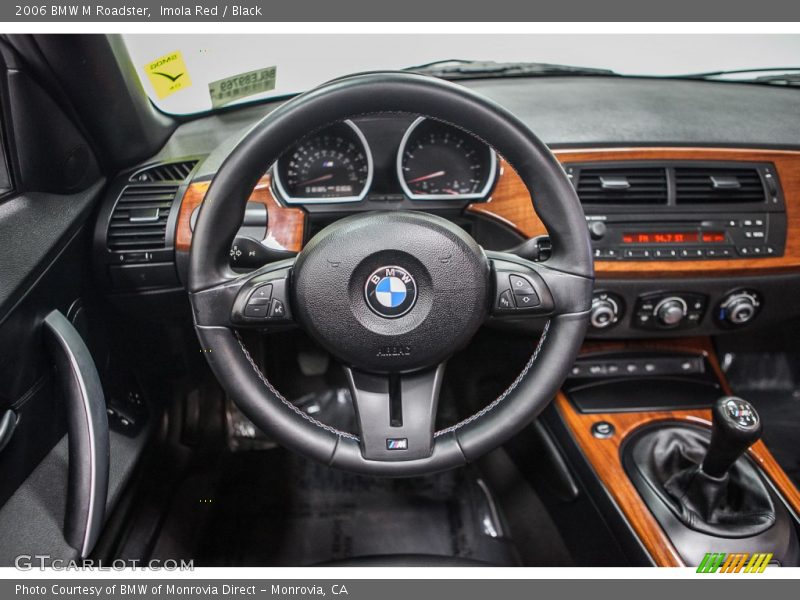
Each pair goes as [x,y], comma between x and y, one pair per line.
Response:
[718,186]
[622,185]
[139,219]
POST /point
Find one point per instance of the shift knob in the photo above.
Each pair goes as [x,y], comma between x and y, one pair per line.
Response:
[735,426]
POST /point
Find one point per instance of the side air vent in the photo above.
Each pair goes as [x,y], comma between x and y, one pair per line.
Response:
[177,171]
[139,219]
[622,186]
[717,186]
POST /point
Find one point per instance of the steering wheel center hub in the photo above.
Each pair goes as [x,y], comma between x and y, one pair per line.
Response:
[391,292]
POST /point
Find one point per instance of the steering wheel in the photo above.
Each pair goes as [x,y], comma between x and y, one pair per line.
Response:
[392,295]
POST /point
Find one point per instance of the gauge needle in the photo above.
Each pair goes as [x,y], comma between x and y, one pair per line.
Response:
[426,177]
[317,179]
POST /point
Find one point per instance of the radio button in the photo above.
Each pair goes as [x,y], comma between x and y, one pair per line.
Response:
[718,252]
[637,253]
[666,253]
[692,252]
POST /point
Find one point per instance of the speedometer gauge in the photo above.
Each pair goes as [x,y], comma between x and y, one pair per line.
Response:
[332,165]
[439,162]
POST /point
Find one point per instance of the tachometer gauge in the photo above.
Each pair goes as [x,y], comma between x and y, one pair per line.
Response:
[332,165]
[438,162]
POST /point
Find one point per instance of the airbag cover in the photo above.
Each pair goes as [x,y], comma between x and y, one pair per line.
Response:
[391,291]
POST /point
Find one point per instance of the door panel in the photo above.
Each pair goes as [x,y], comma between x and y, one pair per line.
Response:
[51,185]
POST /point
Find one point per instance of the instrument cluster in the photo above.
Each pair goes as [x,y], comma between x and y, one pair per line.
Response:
[385,157]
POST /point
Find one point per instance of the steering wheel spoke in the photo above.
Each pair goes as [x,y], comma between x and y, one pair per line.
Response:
[523,288]
[257,300]
[396,413]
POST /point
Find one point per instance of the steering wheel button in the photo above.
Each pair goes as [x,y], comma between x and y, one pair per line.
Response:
[256,310]
[526,300]
[520,285]
[263,291]
[257,300]
[505,301]
[278,311]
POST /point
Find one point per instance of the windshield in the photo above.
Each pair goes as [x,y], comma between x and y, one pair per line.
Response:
[187,74]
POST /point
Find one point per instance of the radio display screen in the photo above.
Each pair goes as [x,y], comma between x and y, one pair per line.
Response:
[660,237]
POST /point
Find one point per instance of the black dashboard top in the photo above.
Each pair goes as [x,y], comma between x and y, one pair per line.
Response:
[580,112]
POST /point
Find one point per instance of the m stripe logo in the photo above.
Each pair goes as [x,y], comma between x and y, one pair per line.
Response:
[719,562]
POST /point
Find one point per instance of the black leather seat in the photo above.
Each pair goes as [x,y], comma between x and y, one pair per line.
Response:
[407,560]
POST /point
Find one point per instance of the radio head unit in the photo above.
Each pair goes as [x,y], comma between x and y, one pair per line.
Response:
[681,210]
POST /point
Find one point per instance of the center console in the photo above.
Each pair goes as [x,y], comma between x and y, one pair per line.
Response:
[679,456]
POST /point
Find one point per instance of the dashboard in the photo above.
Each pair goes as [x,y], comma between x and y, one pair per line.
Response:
[688,237]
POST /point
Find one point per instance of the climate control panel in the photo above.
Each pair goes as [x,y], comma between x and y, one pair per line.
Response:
[669,310]
[738,308]
[606,311]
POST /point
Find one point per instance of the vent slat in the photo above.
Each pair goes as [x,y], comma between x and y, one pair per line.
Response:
[124,234]
[176,171]
[140,204]
[695,185]
[644,186]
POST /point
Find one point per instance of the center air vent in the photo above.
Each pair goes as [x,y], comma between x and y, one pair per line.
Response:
[717,186]
[139,219]
[623,185]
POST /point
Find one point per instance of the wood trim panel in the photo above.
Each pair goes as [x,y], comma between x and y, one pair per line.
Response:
[285,226]
[510,203]
[604,454]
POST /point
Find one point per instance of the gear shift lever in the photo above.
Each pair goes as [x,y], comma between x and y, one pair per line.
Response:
[735,426]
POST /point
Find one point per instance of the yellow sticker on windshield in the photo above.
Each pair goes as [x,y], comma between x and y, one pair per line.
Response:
[168,74]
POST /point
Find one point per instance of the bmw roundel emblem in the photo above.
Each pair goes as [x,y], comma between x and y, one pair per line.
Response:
[391,291]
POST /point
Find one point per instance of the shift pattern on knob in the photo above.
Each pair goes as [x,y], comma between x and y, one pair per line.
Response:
[741,412]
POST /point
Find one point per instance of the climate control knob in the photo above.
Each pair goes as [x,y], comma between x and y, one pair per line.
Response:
[605,311]
[671,311]
[739,308]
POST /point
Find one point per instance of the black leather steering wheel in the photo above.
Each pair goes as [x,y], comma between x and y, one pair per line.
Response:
[392,294]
